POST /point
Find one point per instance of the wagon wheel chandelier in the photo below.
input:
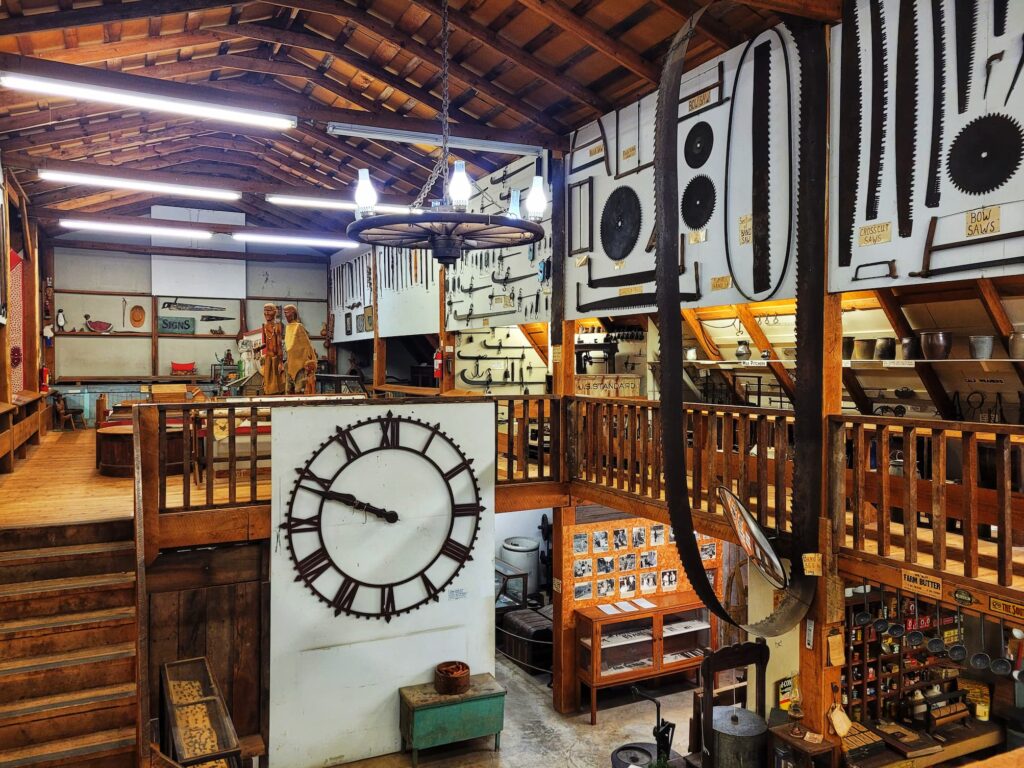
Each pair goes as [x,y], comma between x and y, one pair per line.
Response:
[447,229]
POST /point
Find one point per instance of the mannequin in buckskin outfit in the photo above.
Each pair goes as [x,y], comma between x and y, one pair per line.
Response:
[273,352]
[300,362]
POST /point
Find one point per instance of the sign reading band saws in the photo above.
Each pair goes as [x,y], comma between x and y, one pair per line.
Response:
[738,135]
[927,142]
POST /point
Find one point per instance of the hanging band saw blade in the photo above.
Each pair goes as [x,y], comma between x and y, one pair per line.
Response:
[906,115]
[879,106]
[850,113]
[621,219]
[760,168]
[966,17]
[934,191]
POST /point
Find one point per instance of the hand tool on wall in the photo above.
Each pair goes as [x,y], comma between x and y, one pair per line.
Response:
[1016,75]
[999,11]
[186,307]
[989,63]
[906,116]
[934,191]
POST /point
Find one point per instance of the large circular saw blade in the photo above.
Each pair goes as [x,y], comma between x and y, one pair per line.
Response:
[698,144]
[985,154]
[620,223]
[698,202]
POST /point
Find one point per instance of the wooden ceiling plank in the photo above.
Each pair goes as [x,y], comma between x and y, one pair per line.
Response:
[590,33]
[822,10]
[105,14]
[710,27]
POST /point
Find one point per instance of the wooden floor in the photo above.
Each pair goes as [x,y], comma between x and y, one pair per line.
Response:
[58,483]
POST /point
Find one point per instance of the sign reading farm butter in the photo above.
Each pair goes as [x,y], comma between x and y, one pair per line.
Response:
[1006,608]
[984,221]
[922,583]
[178,325]
[875,234]
[746,229]
[608,385]
[699,101]
[721,283]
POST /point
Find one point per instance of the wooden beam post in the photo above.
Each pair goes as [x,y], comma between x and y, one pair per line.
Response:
[380,346]
[856,391]
[5,291]
[565,690]
[988,295]
[712,352]
[446,339]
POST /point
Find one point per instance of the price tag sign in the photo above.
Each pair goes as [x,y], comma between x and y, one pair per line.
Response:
[898,363]
[754,363]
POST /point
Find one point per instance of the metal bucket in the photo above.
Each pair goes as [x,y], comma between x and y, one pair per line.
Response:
[739,738]
[981,347]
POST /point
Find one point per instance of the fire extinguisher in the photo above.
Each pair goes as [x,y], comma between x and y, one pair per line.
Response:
[437,363]
[44,379]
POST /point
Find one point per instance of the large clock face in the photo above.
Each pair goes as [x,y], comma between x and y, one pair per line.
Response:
[383,516]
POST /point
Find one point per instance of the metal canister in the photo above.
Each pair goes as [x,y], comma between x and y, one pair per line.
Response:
[739,738]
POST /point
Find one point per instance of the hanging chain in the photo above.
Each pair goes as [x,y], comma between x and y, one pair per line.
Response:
[440,168]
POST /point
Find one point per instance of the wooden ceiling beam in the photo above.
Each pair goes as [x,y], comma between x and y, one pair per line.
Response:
[710,27]
[712,352]
[590,33]
[200,253]
[103,144]
[106,14]
[98,53]
[860,399]
[992,303]
[822,10]
[757,335]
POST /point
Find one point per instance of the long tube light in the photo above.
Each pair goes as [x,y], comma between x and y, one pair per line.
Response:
[92,180]
[313,242]
[329,204]
[419,137]
[118,97]
[136,229]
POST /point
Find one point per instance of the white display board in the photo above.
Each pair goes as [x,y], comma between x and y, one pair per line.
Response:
[88,270]
[408,292]
[352,294]
[202,278]
[334,680]
[950,153]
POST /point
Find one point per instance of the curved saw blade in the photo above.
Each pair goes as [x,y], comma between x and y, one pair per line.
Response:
[966,16]
[760,167]
[879,107]
[851,105]
[906,115]
[698,144]
[985,154]
[698,202]
[934,191]
[621,218]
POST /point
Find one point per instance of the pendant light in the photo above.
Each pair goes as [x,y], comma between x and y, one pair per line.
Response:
[446,229]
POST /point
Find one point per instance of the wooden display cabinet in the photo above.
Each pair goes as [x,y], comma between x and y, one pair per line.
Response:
[639,645]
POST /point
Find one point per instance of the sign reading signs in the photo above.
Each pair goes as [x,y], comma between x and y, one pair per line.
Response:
[922,583]
[1006,608]
[179,325]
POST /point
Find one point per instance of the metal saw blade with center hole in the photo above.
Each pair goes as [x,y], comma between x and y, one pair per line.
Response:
[985,154]
[698,202]
[907,78]
[966,16]
[879,106]
[933,192]
[698,144]
[851,106]
[760,167]
[621,218]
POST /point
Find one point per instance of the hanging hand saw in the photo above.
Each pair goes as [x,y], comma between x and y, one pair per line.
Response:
[851,105]
[879,107]
[906,116]
[186,307]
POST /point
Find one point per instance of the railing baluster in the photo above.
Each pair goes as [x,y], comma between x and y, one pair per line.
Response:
[728,430]
[208,463]
[910,495]
[609,422]
[781,449]
[523,437]
[885,491]
[633,437]
[186,470]
[254,424]
[658,463]
[1004,512]
[939,499]
[162,455]
[541,405]
[232,458]
[556,457]
[762,470]
[645,449]
[742,453]
[695,465]
[710,451]
[858,487]
[837,481]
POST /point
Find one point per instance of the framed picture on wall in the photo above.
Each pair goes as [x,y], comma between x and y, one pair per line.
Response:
[606,588]
[648,582]
[583,591]
[620,538]
[649,559]
[583,568]
[627,562]
[627,586]
[605,565]
[348,323]
[600,541]
[579,544]
[639,537]
[669,580]
[657,535]
[368,314]
[359,324]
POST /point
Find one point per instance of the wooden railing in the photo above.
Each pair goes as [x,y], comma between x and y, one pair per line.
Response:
[616,444]
[530,441]
[938,493]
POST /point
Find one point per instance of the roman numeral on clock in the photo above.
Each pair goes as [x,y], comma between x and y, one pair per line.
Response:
[457,551]
[432,591]
[349,444]
[467,510]
[345,596]
[302,524]
[313,566]
[460,467]
[387,602]
[389,431]
[307,474]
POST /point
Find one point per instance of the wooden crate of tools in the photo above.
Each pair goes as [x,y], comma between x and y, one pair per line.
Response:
[195,728]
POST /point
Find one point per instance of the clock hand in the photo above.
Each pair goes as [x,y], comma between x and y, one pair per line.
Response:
[352,501]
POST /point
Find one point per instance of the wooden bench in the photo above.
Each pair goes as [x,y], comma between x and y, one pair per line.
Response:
[21,424]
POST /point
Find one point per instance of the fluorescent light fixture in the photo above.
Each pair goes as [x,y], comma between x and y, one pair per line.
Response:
[183,107]
[513,205]
[135,229]
[313,242]
[537,200]
[421,137]
[460,188]
[92,180]
[323,203]
[366,195]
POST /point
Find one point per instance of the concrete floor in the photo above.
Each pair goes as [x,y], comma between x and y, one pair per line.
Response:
[536,736]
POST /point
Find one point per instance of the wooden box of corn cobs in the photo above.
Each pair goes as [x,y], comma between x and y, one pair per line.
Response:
[195,729]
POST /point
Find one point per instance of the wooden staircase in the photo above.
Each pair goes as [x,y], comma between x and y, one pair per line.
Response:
[68,646]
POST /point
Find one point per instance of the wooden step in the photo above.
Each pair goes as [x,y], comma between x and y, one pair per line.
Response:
[77,713]
[49,675]
[72,751]
[67,561]
[65,534]
[41,635]
[74,594]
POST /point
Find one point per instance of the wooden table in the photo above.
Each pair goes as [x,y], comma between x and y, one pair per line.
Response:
[963,741]
[430,719]
[115,452]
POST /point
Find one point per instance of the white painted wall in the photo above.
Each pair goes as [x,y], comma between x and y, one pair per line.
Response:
[784,651]
[335,680]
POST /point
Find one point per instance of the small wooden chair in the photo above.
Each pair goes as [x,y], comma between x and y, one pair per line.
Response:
[67,415]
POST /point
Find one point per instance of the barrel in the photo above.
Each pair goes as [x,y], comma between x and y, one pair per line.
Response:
[739,738]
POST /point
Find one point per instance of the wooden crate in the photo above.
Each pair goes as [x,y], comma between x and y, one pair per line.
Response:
[195,728]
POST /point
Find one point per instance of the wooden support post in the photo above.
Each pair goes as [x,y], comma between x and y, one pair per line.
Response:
[565,690]
[446,340]
[856,392]
[30,300]
[988,295]
[749,322]
[5,292]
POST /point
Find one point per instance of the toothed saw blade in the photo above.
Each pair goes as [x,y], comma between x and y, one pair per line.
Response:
[906,115]
[851,105]
[698,202]
[934,191]
[966,17]
[879,106]
[621,218]
[985,154]
[760,167]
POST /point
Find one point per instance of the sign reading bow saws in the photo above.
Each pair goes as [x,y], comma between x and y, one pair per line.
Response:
[928,139]
[738,118]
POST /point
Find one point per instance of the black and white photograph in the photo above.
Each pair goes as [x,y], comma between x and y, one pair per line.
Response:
[627,586]
[708,551]
[639,538]
[583,591]
[671,535]
[648,583]
[605,587]
[583,568]
[580,542]
[669,579]
[649,559]
[657,535]
[605,565]
[620,538]
[600,541]
[627,562]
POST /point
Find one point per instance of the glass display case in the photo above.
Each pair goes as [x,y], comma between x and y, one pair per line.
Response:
[510,587]
[685,635]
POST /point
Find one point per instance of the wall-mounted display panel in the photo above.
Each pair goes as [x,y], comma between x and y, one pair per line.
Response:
[208,278]
[82,270]
[352,295]
[407,292]
[286,281]
[97,356]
